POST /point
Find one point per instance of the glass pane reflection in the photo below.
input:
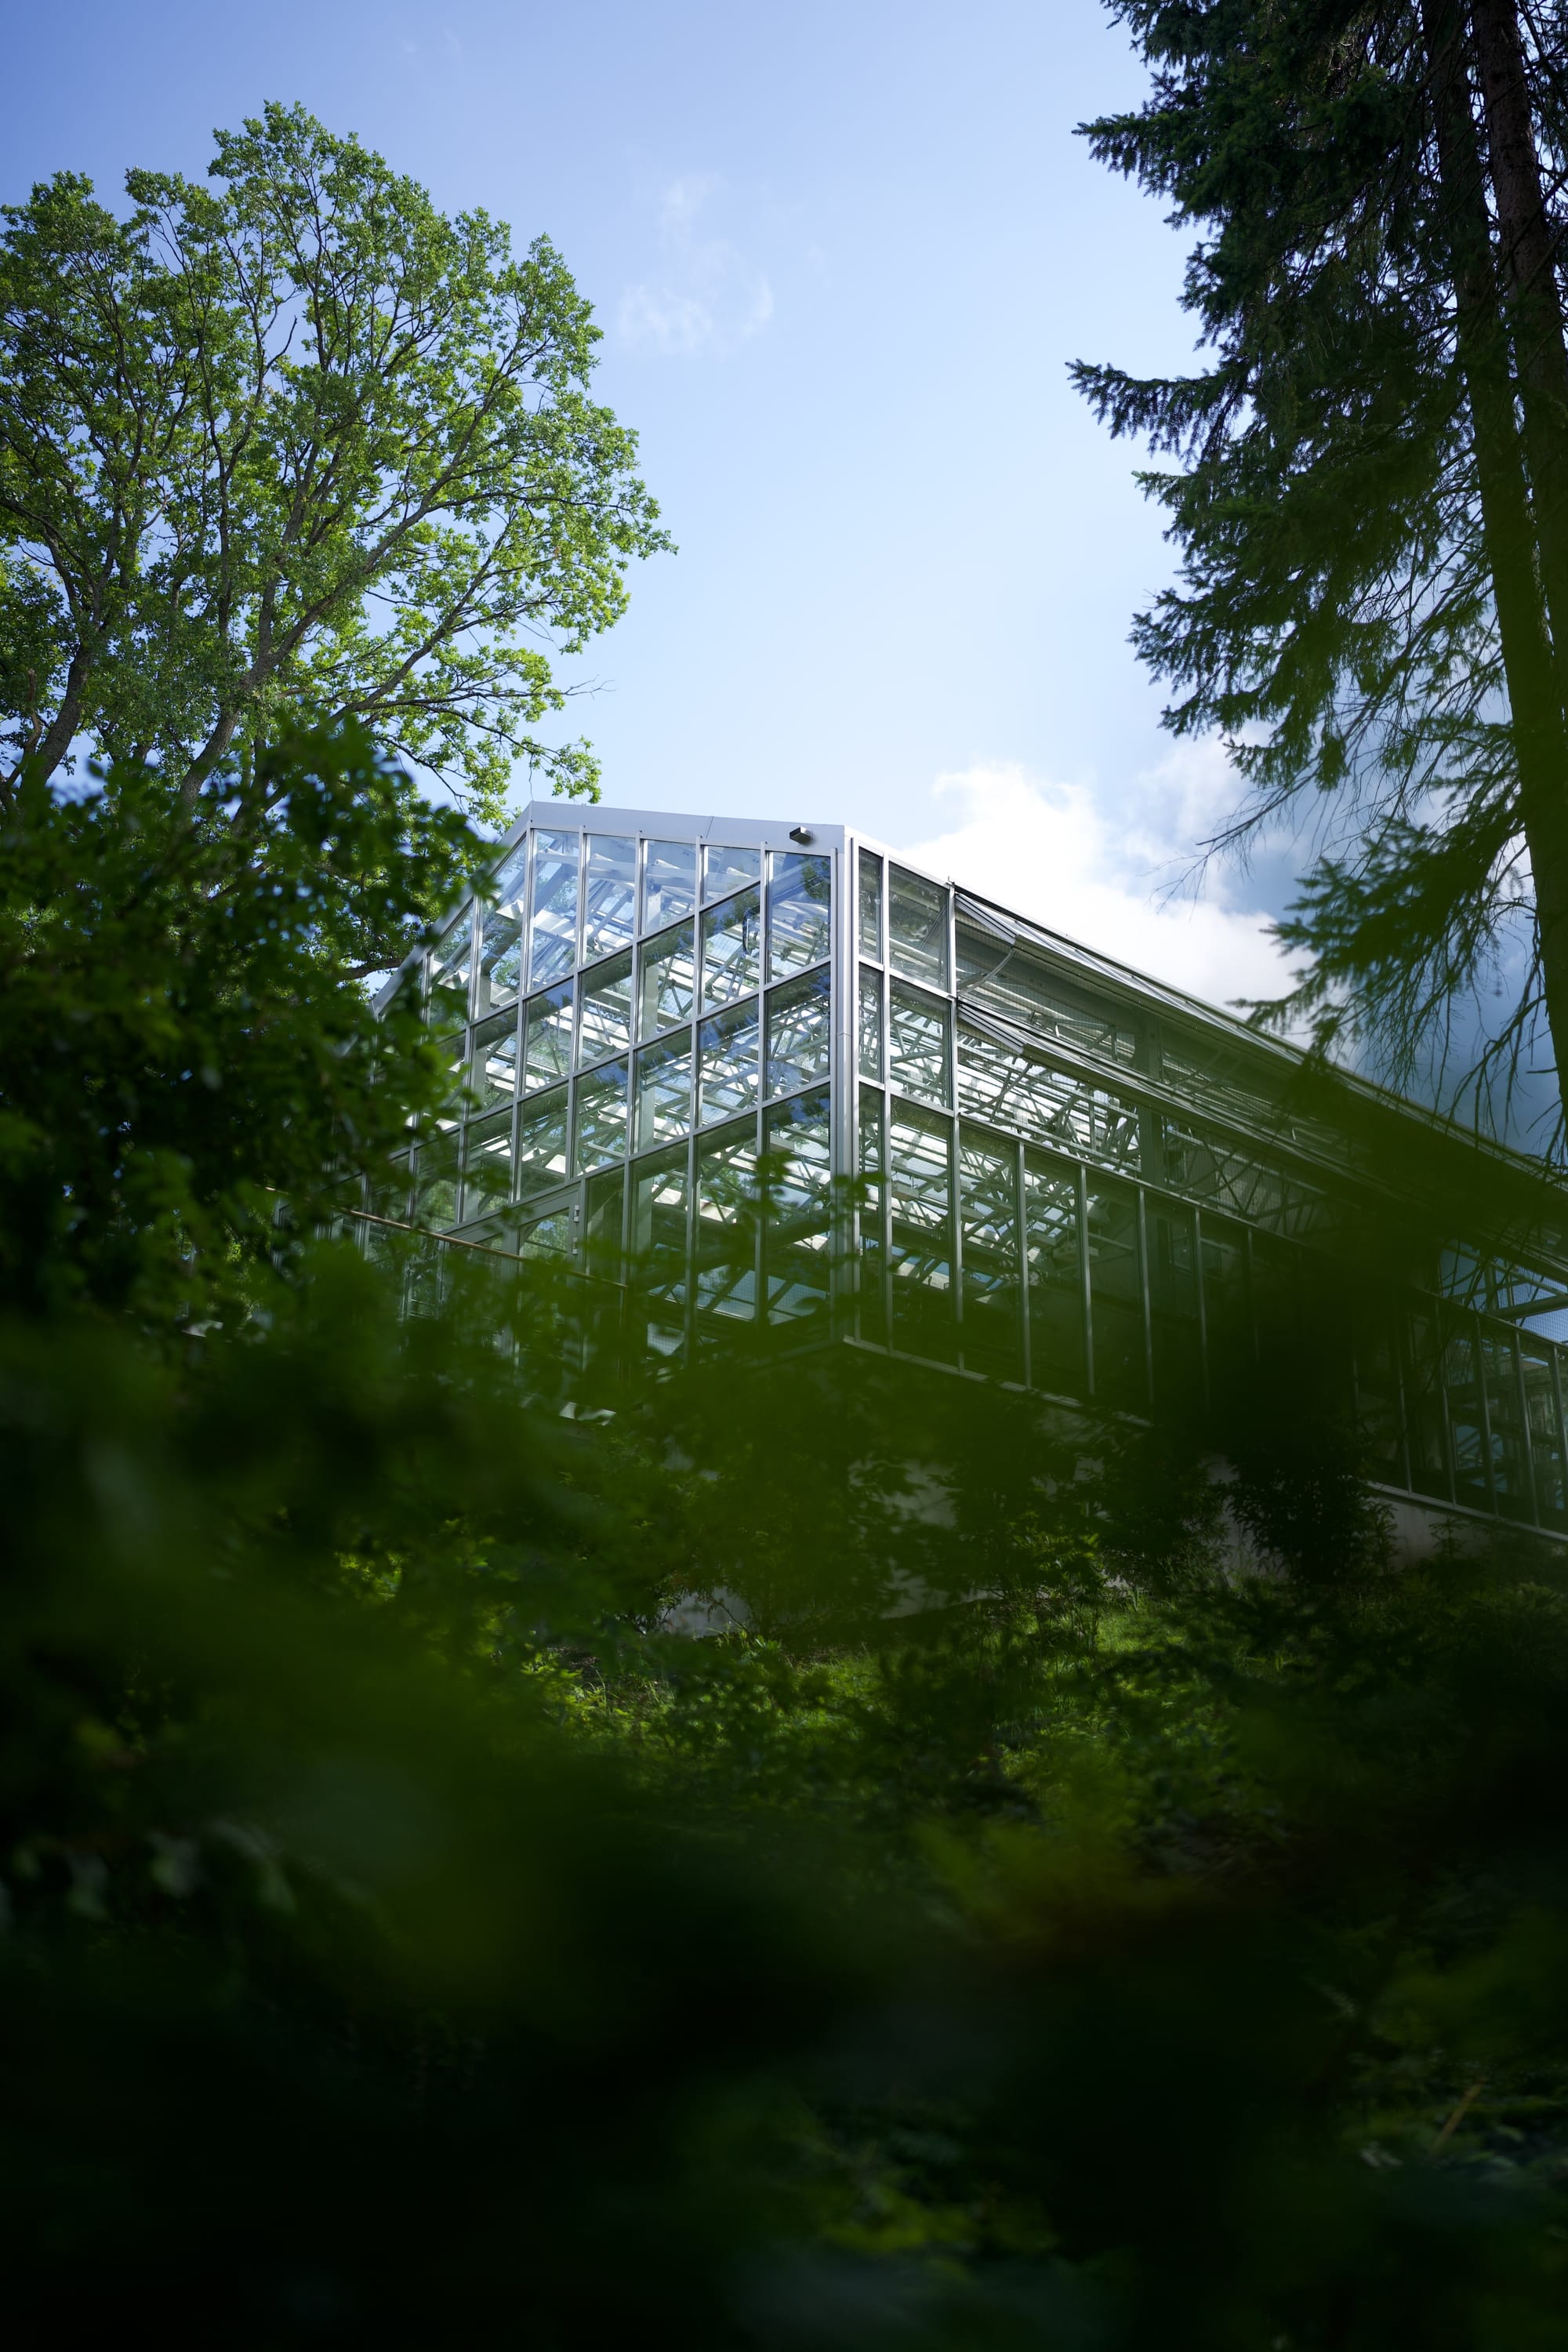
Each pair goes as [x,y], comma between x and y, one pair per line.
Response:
[547,1053]
[664,1092]
[542,1142]
[553,936]
[917,928]
[501,959]
[492,1073]
[800,892]
[449,961]
[1009,1085]
[668,988]
[920,1191]
[731,949]
[551,1235]
[487,1163]
[989,1212]
[727,1071]
[797,1238]
[870,905]
[609,895]
[916,1044]
[601,1117]
[870,1024]
[870,1162]
[500,938]
[670,882]
[726,1223]
[604,1209]
[604,1026]
[726,869]
[658,1245]
[800,1039]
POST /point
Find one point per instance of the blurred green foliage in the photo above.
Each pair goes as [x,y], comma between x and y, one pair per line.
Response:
[408,1931]
[181,1062]
[785,1852]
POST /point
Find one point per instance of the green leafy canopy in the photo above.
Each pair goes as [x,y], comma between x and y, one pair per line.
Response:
[297,444]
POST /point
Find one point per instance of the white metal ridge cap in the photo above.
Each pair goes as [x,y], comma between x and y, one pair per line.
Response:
[669,824]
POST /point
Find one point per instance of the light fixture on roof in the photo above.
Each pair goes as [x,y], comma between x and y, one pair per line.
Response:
[803,834]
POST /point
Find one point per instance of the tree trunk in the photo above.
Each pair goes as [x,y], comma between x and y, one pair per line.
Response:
[1540,735]
[1534,308]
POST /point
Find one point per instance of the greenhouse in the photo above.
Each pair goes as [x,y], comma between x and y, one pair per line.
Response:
[773,1078]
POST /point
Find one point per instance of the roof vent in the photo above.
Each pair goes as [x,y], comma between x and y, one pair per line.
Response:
[803,834]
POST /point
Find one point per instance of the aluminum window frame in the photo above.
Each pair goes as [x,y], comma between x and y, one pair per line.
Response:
[1421,1403]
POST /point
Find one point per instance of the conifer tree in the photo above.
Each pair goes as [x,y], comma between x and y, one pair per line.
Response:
[1372,494]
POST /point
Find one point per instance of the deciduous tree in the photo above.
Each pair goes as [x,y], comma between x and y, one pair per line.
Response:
[296,443]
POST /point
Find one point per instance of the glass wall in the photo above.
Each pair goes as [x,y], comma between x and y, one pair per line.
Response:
[1033,1209]
[1055,1184]
[641,1034]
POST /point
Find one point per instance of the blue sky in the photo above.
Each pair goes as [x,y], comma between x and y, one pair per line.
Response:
[841,254]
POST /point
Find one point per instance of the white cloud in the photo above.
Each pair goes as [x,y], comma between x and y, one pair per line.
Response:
[1103,873]
[706,297]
